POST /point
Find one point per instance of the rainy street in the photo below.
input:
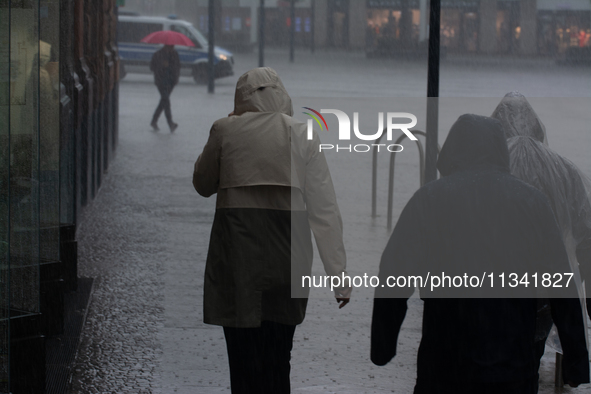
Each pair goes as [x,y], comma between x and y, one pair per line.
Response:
[145,237]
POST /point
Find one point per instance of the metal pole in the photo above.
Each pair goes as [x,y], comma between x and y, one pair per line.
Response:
[433,92]
[211,38]
[422,20]
[292,30]
[374,179]
[313,25]
[262,34]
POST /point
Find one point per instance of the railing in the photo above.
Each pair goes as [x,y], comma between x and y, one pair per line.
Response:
[374,178]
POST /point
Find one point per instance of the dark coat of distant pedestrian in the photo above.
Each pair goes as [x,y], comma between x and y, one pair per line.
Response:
[166,66]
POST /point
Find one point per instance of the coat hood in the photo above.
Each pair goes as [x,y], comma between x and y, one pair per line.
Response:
[474,142]
[261,90]
[519,118]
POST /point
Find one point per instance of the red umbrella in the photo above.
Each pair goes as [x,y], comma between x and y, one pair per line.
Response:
[168,37]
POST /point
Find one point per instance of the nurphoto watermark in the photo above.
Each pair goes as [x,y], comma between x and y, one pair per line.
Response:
[345,130]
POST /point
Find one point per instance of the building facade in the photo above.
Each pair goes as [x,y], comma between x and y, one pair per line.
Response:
[58,132]
[505,27]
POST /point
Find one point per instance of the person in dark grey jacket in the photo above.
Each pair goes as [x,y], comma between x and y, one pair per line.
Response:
[477,219]
[166,67]
[565,185]
[562,182]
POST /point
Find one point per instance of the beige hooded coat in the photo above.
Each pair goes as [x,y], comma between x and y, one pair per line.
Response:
[273,186]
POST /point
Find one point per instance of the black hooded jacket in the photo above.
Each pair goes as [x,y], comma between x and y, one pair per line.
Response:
[477,218]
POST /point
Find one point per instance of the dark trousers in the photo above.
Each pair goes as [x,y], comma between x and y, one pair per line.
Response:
[164,104]
[259,358]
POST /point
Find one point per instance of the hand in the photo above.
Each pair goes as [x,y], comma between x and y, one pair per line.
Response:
[342,301]
[572,384]
[231,113]
[343,296]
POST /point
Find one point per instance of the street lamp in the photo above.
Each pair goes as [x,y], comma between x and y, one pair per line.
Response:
[262,34]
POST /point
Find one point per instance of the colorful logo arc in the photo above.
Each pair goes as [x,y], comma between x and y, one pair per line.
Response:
[316,118]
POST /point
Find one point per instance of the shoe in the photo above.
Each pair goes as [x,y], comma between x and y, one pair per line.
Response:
[173,127]
[154,125]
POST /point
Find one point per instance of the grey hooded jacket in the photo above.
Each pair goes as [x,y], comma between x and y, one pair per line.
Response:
[557,177]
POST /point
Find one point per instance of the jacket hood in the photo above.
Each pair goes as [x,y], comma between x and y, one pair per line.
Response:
[474,142]
[519,118]
[261,90]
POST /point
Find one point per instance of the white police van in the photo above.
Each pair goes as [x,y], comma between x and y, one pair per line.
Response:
[136,56]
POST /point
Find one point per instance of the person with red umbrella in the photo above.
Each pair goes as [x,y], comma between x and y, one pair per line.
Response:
[166,66]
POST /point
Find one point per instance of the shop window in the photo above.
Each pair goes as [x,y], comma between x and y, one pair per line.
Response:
[24,166]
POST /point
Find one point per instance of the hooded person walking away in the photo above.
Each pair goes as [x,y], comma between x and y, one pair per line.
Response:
[561,181]
[477,219]
[273,187]
[166,66]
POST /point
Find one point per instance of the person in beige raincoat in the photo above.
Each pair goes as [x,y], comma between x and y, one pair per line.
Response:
[273,186]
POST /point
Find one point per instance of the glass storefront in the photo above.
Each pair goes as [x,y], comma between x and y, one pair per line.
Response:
[560,30]
[29,166]
[4,176]
[58,133]
[24,159]
[465,25]
[398,25]
[459,30]
[387,25]
[49,131]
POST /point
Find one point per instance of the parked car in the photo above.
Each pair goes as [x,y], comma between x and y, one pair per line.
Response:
[136,55]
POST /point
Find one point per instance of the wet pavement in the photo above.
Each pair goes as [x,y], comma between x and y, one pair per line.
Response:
[144,238]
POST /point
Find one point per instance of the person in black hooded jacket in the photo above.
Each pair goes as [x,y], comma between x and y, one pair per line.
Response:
[477,218]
